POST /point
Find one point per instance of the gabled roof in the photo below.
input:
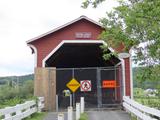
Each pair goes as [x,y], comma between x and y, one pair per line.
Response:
[67,24]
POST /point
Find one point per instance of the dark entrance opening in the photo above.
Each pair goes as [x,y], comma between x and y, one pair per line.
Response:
[79,56]
[85,62]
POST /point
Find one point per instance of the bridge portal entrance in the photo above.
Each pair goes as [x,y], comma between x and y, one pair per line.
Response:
[100,80]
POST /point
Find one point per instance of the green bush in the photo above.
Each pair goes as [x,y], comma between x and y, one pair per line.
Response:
[26,90]
[12,95]
[83,116]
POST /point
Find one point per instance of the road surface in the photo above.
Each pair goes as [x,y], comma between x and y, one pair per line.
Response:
[97,115]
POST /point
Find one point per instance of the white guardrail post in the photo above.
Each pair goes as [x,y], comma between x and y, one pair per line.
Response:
[70,113]
[6,112]
[77,111]
[19,108]
[60,116]
[57,103]
[82,104]
[40,104]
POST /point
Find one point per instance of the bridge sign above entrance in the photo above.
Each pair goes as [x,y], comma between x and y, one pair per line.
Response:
[73,85]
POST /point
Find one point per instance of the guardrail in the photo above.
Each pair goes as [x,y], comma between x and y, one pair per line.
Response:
[21,111]
[139,110]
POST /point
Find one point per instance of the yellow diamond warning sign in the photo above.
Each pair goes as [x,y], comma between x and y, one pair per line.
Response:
[73,85]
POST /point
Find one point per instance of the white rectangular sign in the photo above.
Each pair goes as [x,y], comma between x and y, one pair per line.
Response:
[83,34]
[86,85]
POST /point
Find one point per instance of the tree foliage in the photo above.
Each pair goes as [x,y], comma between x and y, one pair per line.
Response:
[12,95]
[94,3]
[133,22]
[146,77]
[136,25]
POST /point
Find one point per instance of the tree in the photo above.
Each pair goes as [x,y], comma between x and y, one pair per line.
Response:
[135,24]
[131,23]
[94,3]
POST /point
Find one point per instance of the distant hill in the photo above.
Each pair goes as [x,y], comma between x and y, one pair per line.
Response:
[136,82]
[19,79]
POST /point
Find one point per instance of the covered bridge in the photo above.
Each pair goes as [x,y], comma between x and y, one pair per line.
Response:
[72,51]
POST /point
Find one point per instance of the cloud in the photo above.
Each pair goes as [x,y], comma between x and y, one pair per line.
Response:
[21,20]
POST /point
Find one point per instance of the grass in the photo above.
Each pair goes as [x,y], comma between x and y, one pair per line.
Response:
[151,102]
[133,117]
[140,97]
[10,102]
[84,116]
[36,116]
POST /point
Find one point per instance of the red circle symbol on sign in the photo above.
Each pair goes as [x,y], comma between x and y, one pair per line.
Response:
[86,85]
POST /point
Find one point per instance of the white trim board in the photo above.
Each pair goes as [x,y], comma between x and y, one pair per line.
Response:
[131,74]
[35,54]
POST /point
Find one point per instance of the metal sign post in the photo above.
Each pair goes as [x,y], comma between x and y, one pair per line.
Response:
[99,92]
[72,91]
[73,85]
[70,99]
[73,99]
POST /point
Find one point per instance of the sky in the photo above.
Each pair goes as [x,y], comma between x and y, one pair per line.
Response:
[22,20]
